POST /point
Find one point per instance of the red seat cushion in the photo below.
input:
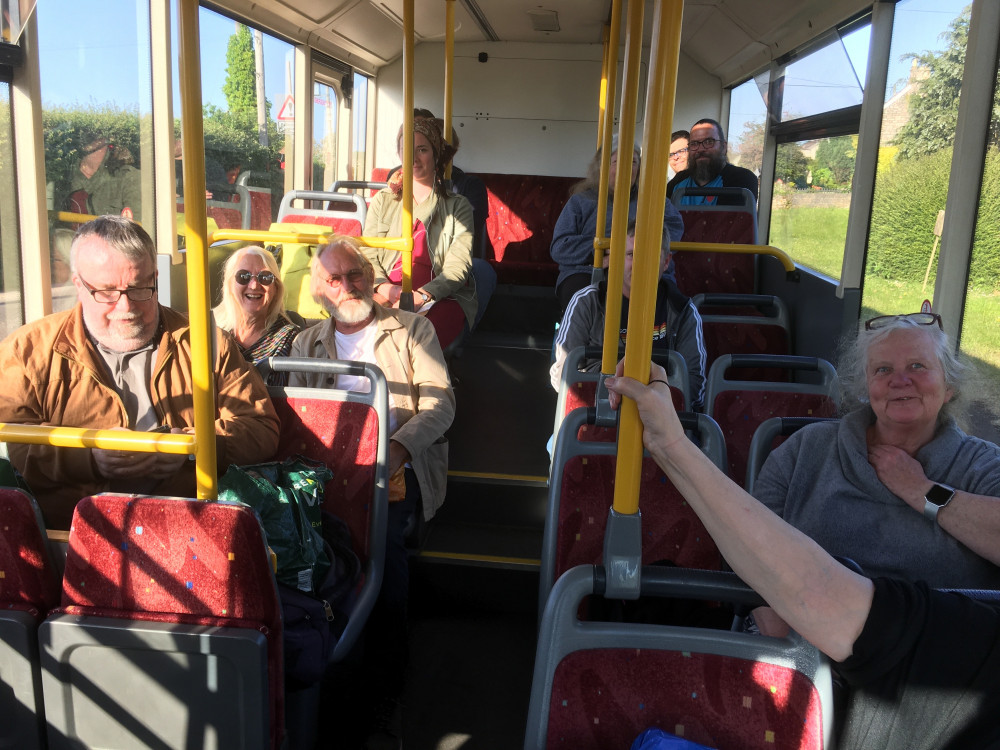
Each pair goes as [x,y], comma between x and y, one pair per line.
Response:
[28,580]
[670,528]
[603,698]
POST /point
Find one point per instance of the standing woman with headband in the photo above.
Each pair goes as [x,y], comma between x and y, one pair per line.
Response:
[443,287]
[253,308]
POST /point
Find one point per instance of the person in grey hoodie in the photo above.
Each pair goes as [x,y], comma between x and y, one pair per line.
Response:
[676,322]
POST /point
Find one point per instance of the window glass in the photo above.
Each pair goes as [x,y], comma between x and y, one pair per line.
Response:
[324,136]
[981,322]
[245,143]
[747,112]
[10,247]
[96,106]
[812,196]
[359,126]
[821,81]
[915,147]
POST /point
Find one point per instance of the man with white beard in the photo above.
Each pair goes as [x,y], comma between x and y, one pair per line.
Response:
[119,360]
[708,167]
[421,407]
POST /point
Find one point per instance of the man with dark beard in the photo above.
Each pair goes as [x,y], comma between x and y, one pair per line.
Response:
[708,167]
[118,360]
[405,347]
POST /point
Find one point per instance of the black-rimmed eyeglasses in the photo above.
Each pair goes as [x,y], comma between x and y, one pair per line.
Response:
[678,152]
[919,318]
[264,278]
[705,144]
[111,296]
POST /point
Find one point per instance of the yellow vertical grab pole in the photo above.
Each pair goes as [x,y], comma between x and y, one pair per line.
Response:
[602,96]
[609,80]
[663,59]
[406,231]
[449,73]
[196,230]
[623,184]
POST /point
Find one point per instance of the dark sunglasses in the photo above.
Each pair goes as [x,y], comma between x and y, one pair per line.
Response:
[920,318]
[264,278]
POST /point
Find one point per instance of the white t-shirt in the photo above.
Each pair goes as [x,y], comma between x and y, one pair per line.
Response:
[360,347]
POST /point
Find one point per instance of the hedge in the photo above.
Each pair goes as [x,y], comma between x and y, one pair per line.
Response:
[908,196]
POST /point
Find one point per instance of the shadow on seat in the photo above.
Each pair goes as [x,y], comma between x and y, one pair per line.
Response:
[169,634]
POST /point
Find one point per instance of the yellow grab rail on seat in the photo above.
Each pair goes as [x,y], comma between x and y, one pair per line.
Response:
[84,437]
[721,247]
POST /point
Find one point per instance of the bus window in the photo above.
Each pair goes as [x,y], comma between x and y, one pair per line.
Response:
[915,151]
[244,142]
[325,104]
[10,245]
[95,119]
[359,168]
[747,112]
[812,195]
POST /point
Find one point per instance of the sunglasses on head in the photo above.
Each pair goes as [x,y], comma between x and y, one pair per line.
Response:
[264,278]
[920,318]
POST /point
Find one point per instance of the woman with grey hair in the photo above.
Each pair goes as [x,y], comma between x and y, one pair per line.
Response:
[895,485]
[253,308]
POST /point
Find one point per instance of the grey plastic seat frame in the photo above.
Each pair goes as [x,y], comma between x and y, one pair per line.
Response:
[764,435]
[777,310]
[103,683]
[717,382]
[748,204]
[378,399]
[562,633]
[675,365]
[359,212]
[568,445]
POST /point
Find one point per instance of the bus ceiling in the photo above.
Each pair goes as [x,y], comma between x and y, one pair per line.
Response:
[368,34]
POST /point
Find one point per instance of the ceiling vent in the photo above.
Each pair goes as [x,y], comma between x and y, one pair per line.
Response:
[544,20]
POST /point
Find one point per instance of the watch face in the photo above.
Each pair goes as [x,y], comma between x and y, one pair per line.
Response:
[939,494]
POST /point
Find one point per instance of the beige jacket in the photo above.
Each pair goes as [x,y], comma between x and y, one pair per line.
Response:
[409,355]
[449,224]
[51,374]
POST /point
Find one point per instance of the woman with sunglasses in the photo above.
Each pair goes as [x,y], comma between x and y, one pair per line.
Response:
[253,308]
[895,485]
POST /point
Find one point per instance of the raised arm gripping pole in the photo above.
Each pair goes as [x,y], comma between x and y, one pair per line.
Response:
[623,536]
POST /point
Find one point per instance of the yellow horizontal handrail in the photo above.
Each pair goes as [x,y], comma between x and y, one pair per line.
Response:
[71,217]
[264,235]
[722,247]
[83,437]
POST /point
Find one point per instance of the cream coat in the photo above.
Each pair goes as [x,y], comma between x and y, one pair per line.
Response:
[409,355]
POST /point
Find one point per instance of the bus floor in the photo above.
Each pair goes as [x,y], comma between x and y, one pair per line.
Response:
[472,637]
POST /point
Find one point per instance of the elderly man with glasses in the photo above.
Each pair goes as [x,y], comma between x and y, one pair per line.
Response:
[405,347]
[707,166]
[119,359]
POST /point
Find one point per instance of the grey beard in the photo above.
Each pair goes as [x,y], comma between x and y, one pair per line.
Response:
[357,314]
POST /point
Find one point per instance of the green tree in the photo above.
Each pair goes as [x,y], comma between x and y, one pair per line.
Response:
[934,106]
[791,165]
[838,156]
[240,87]
[749,151]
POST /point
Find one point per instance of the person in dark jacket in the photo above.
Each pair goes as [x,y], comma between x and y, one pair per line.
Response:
[708,166]
[676,323]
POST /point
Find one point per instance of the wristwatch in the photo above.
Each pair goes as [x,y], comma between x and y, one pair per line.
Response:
[936,498]
[427,298]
